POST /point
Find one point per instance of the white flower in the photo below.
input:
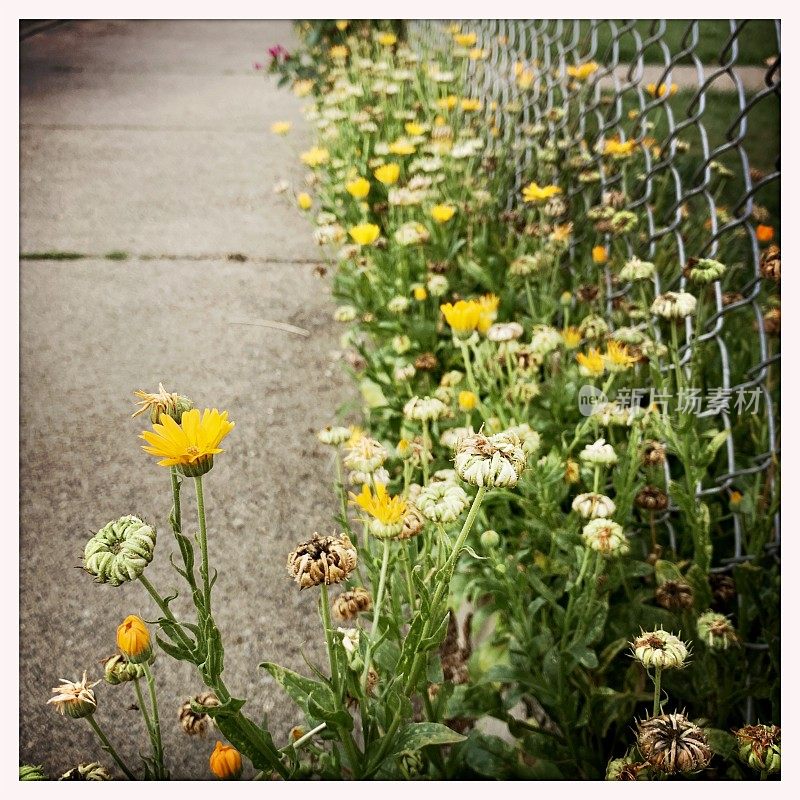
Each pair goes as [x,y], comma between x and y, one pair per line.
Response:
[344,314]
[398,304]
[350,639]
[453,436]
[404,372]
[442,501]
[659,649]
[637,270]
[448,475]
[530,439]
[438,285]
[545,340]
[598,454]
[592,505]
[411,233]
[358,477]
[334,435]
[490,460]
[424,408]
[504,331]
[605,537]
[365,455]
[674,305]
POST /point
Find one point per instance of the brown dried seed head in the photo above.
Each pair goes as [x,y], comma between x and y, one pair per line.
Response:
[348,605]
[413,522]
[426,361]
[671,744]
[322,559]
[651,498]
[195,723]
[654,454]
[771,263]
[675,595]
[723,589]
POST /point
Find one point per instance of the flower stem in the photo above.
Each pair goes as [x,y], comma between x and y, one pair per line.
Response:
[176,498]
[145,715]
[201,515]
[426,449]
[109,747]
[376,616]
[158,745]
[176,629]
[657,693]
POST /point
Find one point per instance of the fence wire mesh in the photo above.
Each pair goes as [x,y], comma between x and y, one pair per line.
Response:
[711,176]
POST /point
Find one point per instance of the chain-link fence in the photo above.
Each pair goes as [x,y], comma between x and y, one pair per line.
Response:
[711,170]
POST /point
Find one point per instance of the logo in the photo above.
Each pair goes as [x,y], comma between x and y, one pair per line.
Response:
[589,397]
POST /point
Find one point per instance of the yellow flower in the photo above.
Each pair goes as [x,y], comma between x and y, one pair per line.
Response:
[477,53]
[591,364]
[303,88]
[467,401]
[386,39]
[365,233]
[281,128]
[463,317]
[315,157]
[617,357]
[225,762]
[133,640]
[382,506]
[402,147]
[192,445]
[561,233]
[661,89]
[443,212]
[358,188]
[338,52]
[341,24]
[388,173]
[525,79]
[583,71]
[571,337]
[489,304]
[533,193]
[304,201]
[414,129]
[447,103]
[420,293]
[471,104]
[614,147]
[465,39]
[599,254]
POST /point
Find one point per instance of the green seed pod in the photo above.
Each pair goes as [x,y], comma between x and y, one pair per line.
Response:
[759,746]
[490,539]
[28,772]
[120,551]
[118,670]
[87,772]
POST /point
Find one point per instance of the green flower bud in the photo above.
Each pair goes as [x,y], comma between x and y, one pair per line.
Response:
[490,539]
[27,772]
[118,670]
[716,630]
[120,551]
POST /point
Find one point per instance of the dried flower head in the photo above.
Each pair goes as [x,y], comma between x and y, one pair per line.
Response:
[626,768]
[670,743]
[75,699]
[593,504]
[675,595]
[94,771]
[605,537]
[490,460]
[674,305]
[704,270]
[504,331]
[654,454]
[723,589]
[659,649]
[364,454]
[196,722]
[424,409]
[322,559]
[413,522]
[759,746]
[651,498]
[348,605]
[442,501]
[119,670]
[334,435]
[637,270]
[771,263]
[716,630]
[162,402]
[598,454]
[120,551]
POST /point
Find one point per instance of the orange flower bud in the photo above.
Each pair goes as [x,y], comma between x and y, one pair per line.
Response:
[133,640]
[225,762]
[599,254]
[765,233]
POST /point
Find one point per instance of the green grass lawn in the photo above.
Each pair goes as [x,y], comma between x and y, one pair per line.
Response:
[757,40]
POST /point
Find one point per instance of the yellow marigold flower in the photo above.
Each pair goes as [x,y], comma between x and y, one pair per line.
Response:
[599,254]
[341,24]
[304,201]
[525,79]
[281,128]
[382,506]
[315,157]
[561,233]
[358,188]
[591,364]
[463,317]
[420,293]
[467,401]
[471,104]
[190,446]
[303,88]
[388,174]
[414,128]
[365,233]
[386,39]
[583,71]
[533,193]
[617,357]
[615,147]
[338,52]
[439,120]
[661,89]
[465,39]
[571,336]
[489,304]
[477,53]
[443,212]
[225,762]
[447,103]
[133,640]
[402,147]
[765,233]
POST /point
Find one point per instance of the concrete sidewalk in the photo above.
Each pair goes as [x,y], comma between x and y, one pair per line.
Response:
[152,138]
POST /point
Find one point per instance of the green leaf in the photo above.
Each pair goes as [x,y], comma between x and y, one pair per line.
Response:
[721,742]
[416,735]
[297,686]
